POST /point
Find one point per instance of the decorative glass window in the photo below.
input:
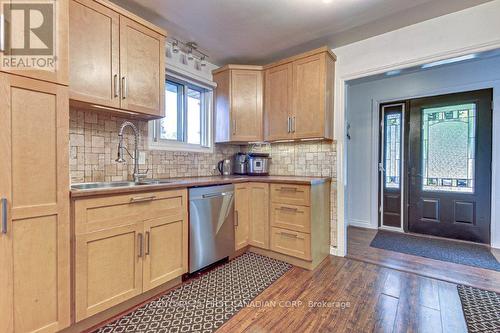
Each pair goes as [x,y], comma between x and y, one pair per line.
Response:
[449,148]
[392,163]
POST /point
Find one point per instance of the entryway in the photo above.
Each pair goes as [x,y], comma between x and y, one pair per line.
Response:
[435,166]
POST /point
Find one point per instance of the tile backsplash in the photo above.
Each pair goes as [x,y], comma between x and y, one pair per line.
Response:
[94,143]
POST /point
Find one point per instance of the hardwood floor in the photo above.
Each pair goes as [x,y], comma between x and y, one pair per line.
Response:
[370,298]
[359,248]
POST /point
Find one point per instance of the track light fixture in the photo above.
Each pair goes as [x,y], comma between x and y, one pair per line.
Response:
[191,51]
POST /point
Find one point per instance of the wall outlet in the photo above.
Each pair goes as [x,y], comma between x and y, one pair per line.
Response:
[142,157]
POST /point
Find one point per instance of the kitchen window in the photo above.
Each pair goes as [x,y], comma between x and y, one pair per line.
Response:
[186,125]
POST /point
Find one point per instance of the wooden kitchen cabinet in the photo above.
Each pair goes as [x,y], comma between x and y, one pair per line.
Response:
[242,215]
[117,59]
[126,245]
[299,97]
[238,104]
[35,239]
[58,71]
[259,215]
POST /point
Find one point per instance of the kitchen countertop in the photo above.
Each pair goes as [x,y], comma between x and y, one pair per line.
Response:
[187,182]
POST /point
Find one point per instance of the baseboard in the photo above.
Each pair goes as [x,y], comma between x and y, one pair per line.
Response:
[361,224]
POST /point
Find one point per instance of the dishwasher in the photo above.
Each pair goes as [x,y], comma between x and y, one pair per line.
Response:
[211,225]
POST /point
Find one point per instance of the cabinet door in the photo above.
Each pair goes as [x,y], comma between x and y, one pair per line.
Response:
[94,53]
[142,68]
[259,215]
[308,119]
[166,250]
[246,105]
[34,242]
[278,100]
[53,43]
[108,268]
[242,215]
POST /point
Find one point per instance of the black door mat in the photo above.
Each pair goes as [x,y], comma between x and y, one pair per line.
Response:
[481,309]
[434,248]
[205,303]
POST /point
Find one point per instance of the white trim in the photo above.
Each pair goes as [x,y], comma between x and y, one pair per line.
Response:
[386,227]
[339,123]
[362,224]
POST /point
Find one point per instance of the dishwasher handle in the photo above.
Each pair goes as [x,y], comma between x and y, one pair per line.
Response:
[216,195]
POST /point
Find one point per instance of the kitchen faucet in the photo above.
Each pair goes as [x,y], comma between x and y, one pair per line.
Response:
[137,175]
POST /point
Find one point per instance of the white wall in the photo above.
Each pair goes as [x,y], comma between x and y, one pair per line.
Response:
[362,113]
[472,30]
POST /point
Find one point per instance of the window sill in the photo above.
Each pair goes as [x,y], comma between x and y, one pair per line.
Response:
[179,146]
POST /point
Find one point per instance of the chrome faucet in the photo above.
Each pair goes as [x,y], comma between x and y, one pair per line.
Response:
[137,175]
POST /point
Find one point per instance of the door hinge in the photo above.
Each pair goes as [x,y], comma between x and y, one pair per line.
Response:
[381,167]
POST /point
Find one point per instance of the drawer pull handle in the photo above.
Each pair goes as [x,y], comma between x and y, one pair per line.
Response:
[140,242]
[289,209]
[289,189]
[148,242]
[291,235]
[143,199]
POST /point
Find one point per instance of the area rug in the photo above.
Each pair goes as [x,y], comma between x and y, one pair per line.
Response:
[439,249]
[205,303]
[481,309]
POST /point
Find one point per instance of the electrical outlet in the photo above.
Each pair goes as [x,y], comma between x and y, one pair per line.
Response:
[142,157]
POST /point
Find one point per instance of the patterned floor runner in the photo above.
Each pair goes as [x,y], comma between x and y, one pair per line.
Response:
[481,309]
[205,303]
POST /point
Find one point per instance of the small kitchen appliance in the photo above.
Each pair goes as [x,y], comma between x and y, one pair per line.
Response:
[225,167]
[240,164]
[258,164]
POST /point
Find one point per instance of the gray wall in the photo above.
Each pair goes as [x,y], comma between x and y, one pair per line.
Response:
[363,100]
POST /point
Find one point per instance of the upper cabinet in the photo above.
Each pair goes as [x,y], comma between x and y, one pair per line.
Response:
[291,99]
[49,60]
[299,97]
[238,104]
[116,59]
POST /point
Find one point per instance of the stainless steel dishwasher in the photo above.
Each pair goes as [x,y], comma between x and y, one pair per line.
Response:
[211,225]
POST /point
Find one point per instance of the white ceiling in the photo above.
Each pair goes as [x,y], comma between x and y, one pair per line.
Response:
[258,31]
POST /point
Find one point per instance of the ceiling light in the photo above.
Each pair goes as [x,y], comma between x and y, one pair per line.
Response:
[190,54]
[175,46]
[450,61]
[203,62]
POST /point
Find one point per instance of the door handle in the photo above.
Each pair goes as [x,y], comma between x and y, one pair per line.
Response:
[148,241]
[124,88]
[115,84]
[4,215]
[236,222]
[293,124]
[289,125]
[234,126]
[140,245]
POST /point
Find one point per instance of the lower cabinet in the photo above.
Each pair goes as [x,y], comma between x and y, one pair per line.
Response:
[252,215]
[126,245]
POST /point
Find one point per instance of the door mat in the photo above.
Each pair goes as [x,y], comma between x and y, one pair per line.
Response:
[481,309]
[205,303]
[434,248]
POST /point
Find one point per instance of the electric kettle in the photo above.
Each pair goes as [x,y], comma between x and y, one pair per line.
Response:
[225,167]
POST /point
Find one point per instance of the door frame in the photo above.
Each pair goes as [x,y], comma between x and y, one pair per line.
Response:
[495,164]
[404,159]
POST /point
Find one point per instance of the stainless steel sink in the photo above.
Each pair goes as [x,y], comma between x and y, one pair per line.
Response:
[102,185]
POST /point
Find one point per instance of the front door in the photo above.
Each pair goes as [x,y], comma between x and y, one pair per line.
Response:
[449,165]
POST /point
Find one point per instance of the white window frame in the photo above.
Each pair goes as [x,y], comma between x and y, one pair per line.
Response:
[207,144]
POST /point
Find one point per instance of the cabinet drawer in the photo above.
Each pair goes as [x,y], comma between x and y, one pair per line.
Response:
[101,213]
[291,194]
[292,243]
[297,218]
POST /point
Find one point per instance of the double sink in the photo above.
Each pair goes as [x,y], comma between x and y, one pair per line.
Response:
[103,185]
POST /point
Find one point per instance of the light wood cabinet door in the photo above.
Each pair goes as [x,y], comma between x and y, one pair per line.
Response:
[94,53]
[308,120]
[292,243]
[108,268]
[259,215]
[242,215]
[278,102]
[54,66]
[34,243]
[142,69]
[246,105]
[166,251]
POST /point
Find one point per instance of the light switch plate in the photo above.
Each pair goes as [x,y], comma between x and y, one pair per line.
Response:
[142,157]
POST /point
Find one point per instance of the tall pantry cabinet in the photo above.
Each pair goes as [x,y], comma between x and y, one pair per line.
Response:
[34,193]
